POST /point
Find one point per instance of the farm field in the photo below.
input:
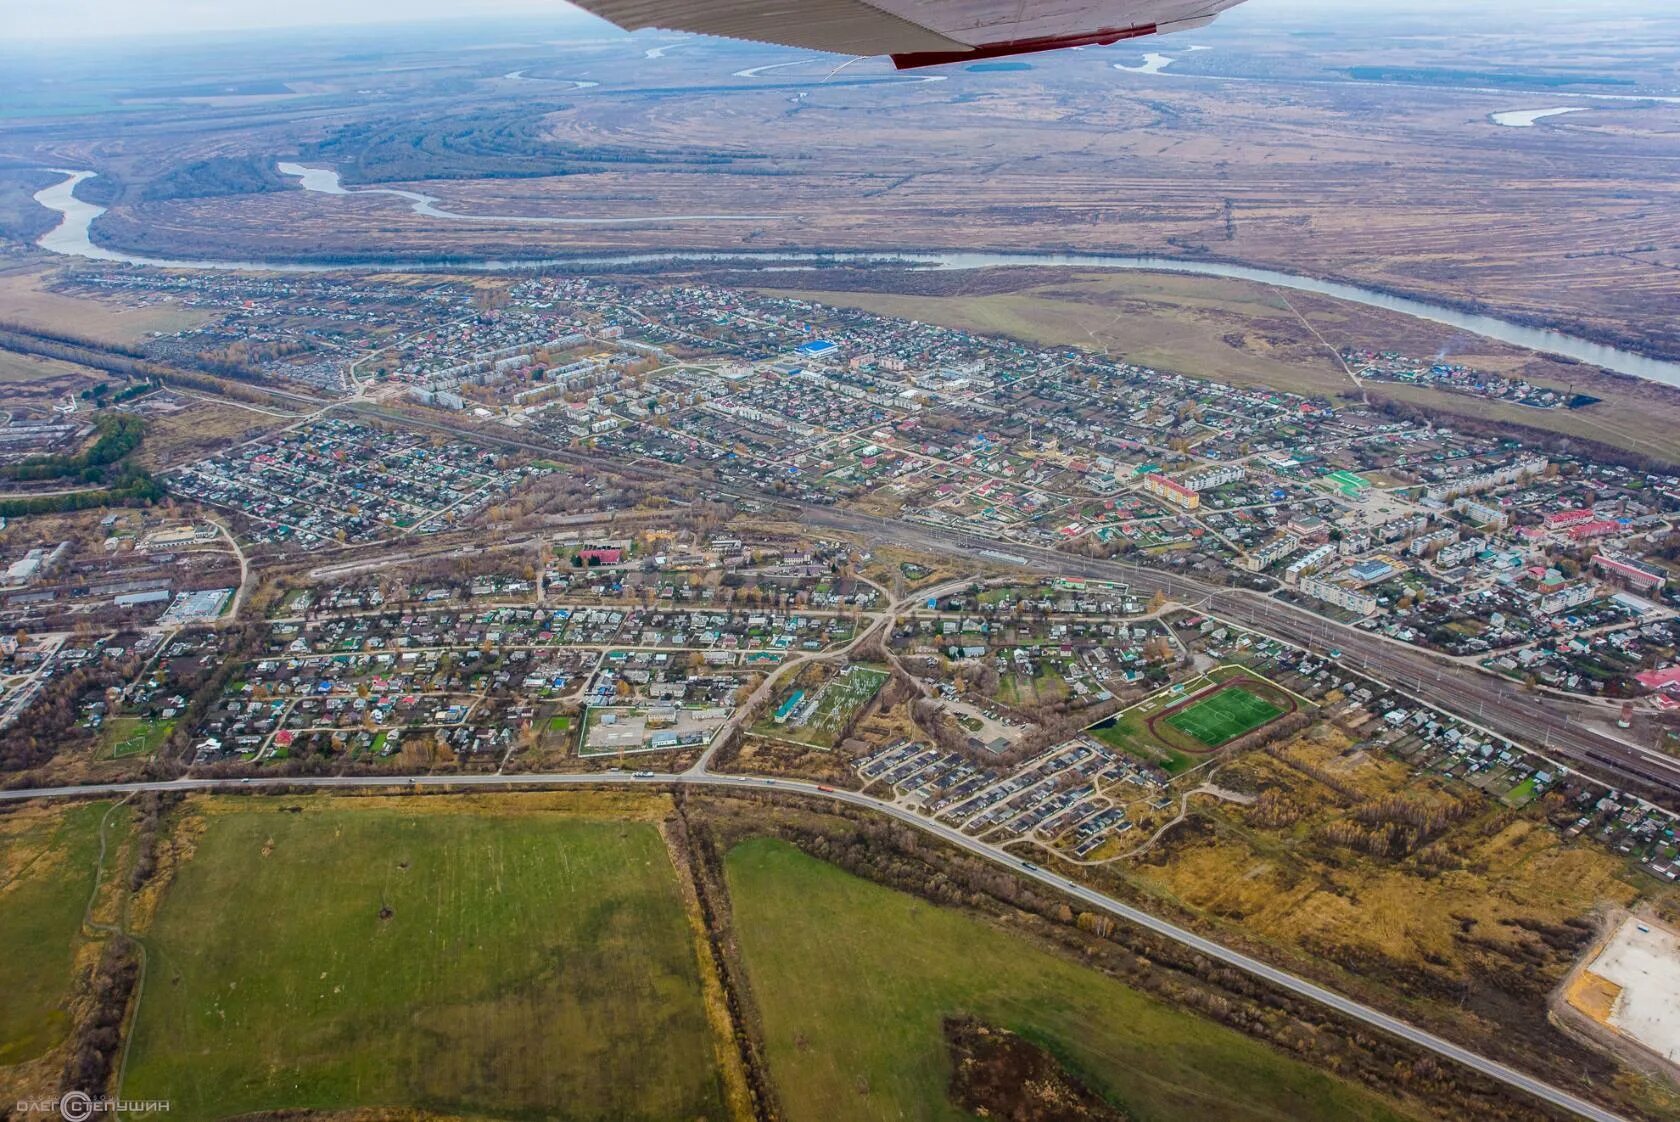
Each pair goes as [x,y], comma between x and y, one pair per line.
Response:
[492,957]
[861,1037]
[25,299]
[47,859]
[33,385]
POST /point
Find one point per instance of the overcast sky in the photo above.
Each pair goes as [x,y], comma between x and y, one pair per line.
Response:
[59,19]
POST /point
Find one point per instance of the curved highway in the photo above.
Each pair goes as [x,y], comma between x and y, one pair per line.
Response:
[1283,980]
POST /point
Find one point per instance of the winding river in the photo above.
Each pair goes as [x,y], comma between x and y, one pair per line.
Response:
[325,181]
[72,237]
[1525,118]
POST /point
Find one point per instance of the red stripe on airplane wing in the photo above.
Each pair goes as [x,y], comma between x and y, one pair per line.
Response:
[913,59]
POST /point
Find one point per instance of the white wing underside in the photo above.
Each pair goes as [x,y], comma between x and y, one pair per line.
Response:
[914,27]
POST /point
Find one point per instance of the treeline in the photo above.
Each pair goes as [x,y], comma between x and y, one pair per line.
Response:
[119,435]
[1395,826]
[112,481]
[21,217]
[133,486]
[483,145]
[102,395]
[23,336]
[98,1038]
[51,725]
[216,177]
[214,375]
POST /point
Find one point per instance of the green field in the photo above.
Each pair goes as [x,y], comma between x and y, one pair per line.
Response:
[1127,732]
[1225,716]
[520,964]
[853,981]
[121,737]
[48,862]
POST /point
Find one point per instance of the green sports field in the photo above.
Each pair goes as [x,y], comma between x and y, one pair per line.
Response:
[133,736]
[853,982]
[1225,716]
[502,963]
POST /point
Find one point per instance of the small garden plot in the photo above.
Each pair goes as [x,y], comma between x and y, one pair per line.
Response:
[1028,688]
[819,719]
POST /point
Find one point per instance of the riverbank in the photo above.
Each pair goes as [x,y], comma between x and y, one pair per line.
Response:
[73,236]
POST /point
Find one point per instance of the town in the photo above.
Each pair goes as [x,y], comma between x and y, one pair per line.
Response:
[1073,610]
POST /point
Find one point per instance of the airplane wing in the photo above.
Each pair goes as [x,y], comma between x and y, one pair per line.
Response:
[917,32]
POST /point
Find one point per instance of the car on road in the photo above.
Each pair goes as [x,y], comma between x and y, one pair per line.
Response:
[642,775]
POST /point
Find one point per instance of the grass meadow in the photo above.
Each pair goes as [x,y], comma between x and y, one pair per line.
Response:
[425,955]
[47,858]
[853,981]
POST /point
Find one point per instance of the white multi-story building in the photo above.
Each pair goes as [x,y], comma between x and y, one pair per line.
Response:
[1569,596]
[1216,476]
[1460,552]
[1339,596]
[1423,543]
[1264,556]
[1308,563]
[1526,468]
[1482,514]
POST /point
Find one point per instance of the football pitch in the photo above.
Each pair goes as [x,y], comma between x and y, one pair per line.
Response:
[1225,716]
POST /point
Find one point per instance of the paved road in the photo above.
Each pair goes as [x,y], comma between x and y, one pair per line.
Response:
[1282,979]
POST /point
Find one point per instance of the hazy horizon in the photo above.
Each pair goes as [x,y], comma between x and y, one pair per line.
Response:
[59,20]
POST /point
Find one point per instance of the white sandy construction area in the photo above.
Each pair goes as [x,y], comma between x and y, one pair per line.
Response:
[1643,959]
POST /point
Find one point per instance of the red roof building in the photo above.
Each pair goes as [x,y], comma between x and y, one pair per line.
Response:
[1586,531]
[1666,679]
[1565,518]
